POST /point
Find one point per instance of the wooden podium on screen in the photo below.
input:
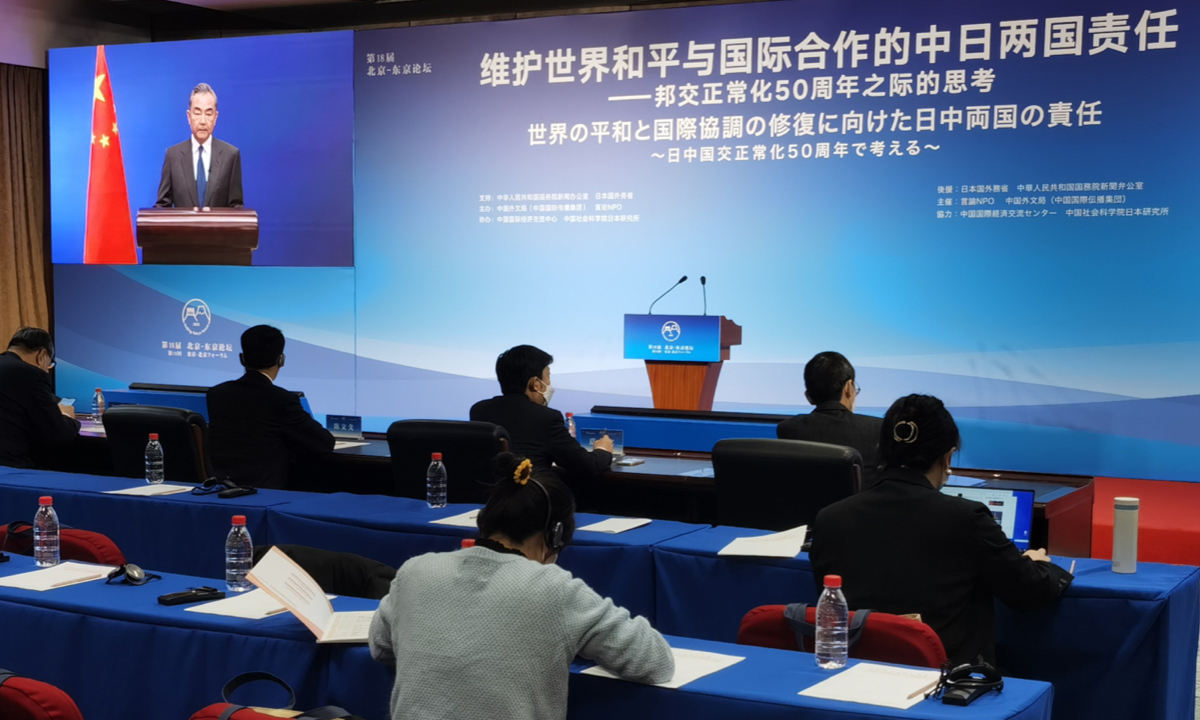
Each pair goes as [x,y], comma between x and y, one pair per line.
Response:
[197,236]
[683,355]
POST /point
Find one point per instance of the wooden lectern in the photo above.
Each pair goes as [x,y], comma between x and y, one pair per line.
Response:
[701,344]
[197,236]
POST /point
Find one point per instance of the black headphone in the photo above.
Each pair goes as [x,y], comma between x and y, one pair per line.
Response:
[132,574]
[966,683]
[553,535]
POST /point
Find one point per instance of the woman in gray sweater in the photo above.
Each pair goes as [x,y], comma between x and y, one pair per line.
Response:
[490,631]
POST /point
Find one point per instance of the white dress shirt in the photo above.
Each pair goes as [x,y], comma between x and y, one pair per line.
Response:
[207,158]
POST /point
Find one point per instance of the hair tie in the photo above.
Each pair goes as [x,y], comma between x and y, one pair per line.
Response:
[523,471]
[910,434]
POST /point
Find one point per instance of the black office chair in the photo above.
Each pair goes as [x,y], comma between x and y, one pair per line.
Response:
[183,435]
[467,450]
[339,573]
[780,484]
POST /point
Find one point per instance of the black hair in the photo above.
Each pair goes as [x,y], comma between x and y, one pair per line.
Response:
[261,347]
[31,339]
[917,431]
[519,511]
[825,377]
[516,365]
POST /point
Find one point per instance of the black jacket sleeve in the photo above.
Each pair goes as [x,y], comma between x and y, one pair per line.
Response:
[50,426]
[1019,582]
[302,431]
[166,198]
[235,181]
[568,454]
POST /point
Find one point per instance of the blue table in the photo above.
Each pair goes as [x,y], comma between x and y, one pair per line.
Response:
[181,533]
[1115,646]
[392,530]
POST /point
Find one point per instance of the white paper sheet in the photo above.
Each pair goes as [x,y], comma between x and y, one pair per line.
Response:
[784,544]
[615,525]
[151,490]
[281,578]
[349,627]
[872,684]
[251,605]
[690,665]
[701,473]
[466,520]
[343,444]
[61,575]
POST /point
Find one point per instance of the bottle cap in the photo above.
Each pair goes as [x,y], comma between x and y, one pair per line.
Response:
[153,436]
[45,500]
[833,581]
[1126,503]
[97,389]
[570,414]
[239,519]
[436,456]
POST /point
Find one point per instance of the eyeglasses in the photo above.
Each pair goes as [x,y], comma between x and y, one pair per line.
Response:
[857,389]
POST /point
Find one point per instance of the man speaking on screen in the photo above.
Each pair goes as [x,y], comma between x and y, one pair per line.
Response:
[201,171]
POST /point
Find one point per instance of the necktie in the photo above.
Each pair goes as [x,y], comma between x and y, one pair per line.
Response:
[201,180]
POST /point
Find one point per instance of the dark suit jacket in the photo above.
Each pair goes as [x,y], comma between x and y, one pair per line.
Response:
[256,429]
[29,415]
[903,547]
[178,186]
[540,434]
[830,422]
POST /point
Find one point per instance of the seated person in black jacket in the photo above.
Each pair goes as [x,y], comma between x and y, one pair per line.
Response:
[903,547]
[534,429]
[255,428]
[30,416]
[829,385]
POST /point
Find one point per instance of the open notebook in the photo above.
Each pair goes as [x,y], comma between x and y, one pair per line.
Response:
[280,577]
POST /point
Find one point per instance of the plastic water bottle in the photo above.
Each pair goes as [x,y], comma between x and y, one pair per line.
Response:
[154,460]
[239,551]
[98,405]
[435,482]
[571,423]
[833,621]
[45,533]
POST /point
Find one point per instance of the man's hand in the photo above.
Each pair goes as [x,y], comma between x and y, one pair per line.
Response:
[1037,555]
[68,410]
[604,443]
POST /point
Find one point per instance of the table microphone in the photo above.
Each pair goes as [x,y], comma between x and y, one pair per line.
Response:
[704,288]
[660,297]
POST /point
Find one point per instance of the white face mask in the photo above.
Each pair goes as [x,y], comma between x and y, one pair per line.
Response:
[547,393]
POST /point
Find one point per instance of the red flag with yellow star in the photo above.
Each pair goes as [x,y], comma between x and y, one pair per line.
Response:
[108,237]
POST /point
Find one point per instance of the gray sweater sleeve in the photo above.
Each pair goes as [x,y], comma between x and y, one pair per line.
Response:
[627,647]
[380,634]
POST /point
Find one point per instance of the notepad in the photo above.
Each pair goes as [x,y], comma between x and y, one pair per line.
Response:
[871,684]
[615,525]
[252,605]
[784,544]
[61,575]
[344,444]
[151,490]
[466,520]
[281,578]
[690,665]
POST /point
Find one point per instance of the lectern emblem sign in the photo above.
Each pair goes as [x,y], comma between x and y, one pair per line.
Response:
[671,331]
[196,316]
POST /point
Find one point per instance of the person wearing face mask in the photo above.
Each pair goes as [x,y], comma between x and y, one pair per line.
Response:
[490,631]
[535,430]
[903,547]
[31,418]
[830,386]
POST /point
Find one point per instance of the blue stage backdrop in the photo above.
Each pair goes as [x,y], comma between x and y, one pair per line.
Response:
[991,203]
[284,101]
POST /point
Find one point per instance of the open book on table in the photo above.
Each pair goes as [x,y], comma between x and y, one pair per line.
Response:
[280,577]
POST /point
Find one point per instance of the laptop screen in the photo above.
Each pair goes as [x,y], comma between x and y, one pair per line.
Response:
[1012,509]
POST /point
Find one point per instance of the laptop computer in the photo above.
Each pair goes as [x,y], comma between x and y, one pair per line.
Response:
[1012,509]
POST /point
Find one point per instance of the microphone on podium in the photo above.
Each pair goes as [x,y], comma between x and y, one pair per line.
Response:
[660,297]
[704,288]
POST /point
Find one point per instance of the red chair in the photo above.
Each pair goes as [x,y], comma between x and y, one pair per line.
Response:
[884,638]
[79,545]
[25,699]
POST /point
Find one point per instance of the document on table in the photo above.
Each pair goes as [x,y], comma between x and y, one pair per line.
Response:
[252,605]
[701,473]
[466,520]
[61,575]
[284,580]
[151,490]
[872,684]
[616,525]
[784,544]
[344,444]
[690,665]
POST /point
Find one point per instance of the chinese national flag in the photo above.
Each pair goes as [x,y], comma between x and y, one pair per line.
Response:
[109,235]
